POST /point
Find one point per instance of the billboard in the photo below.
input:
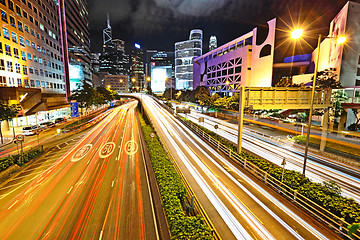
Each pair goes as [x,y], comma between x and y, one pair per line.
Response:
[74,109]
[76,74]
[159,74]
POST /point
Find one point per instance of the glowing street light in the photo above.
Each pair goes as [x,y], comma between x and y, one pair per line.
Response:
[296,34]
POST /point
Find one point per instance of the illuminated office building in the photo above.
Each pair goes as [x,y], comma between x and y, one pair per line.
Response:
[137,71]
[212,43]
[161,66]
[185,51]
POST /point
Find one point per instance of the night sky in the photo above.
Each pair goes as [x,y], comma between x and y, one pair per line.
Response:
[158,24]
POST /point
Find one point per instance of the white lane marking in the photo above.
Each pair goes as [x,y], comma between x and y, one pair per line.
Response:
[13,204]
[70,189]
[101,233]
[112,184]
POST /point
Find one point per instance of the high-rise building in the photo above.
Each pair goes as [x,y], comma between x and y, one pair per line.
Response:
[212,43]
[137,74]
[184,53]
[161,68]
[31,67]
[95,62]
[118,83]
[78,42]
[113,60]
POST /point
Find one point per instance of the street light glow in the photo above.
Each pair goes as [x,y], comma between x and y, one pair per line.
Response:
[341,40]
[133,79]
[296,33]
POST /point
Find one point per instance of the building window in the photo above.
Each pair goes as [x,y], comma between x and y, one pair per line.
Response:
[37,83]
[12,21]
[3,2]
[23,56]
[18,11]
[6,33]
[238,69]
[31,19]
[11,5]
[43,50]
[33,45]
[22,41]
[358,72]
[4,16]
[46,73]
[35,58]
[36,23]
[2,81]
[32,83]
[45,62]
[25,72]
[37,36]
[29,5]
[41,72]
[31,70]
[1,48]
[20,26]
[26,29]
[16,53]
[42,84]
[25,14]
[14,37]
[2,64]
[40,60]
[32,32]
[38,48]
[28,43]
[9,66]
[35,10]
[36,71]
[26,82]
[17,67]
[19,83]
[8,50]
[41,26]
[29,56]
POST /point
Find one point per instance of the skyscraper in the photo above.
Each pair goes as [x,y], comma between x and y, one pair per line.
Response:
[78,42]
[184,53]
[113,60]
[212,43]
[137,75]
[161,66]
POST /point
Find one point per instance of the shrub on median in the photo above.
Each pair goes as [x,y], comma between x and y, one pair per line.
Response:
[172,192]
[6,162]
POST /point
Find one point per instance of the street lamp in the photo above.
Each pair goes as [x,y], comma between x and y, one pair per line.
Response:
[133,80]
[296,34]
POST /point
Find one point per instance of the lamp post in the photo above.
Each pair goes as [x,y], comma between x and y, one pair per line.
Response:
[133,80]
[296,34]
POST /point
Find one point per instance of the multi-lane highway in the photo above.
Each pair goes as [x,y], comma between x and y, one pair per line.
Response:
[319,168]
[238,206]
[98,189]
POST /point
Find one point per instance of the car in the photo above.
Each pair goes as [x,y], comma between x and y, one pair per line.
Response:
[47,124]
[60,120]
[30,130]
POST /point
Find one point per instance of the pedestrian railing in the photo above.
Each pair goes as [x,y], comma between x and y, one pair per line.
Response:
[336,223]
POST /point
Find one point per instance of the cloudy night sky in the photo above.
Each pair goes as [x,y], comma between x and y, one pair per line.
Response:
[158,24]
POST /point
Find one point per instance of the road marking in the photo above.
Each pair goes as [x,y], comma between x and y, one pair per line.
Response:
[66,143]
[88,162]
[80,154]
[116,158]
[101,233]
[70,189]
[13,204]
[107,149]
[131,147]
[112,184]
[58,147]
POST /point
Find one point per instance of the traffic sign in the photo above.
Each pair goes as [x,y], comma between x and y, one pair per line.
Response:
[20,137]
[152,135]
[107,149]
[216,126]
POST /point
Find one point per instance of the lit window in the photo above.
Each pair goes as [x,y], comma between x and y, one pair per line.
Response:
[25,72]
[8,50]
[19,82]
[20,26]
[31,70]
[26,82]
[9,66]
[29,56]
[42,84]
[32,83]
[17,67]
[37,83]
[26,29]
[33,45]
[28,43]
[16,52]
[12,21]
[32,32]
[22,41]
[6,33]
[14,37]
[4,16]
[35,58]
[40,60]
[23,55]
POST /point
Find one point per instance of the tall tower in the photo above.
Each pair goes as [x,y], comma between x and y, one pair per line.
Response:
[184,53]
[212,43]
[107,33]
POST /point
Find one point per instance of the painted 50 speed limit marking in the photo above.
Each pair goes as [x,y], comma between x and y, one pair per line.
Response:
[79,154]
[107,149]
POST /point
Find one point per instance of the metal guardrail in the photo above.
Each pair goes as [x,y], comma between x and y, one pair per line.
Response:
[314,209]
[190,193]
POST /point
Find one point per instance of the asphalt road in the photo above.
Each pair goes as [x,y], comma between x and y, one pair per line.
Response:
[97,189]
[238,206]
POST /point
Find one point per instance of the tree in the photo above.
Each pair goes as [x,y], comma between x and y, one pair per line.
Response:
[327,79]
[285,82]
[203,96]
[339,97]
[7,112]
[85,95]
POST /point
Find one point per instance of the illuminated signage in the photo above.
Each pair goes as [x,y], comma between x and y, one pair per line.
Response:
[137,45]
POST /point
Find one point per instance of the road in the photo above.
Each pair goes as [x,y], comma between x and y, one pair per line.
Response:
[319,168]
[238,206]
[98,189]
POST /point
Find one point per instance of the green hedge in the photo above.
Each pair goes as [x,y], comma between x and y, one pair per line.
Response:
[321,193]
[172,192]
[6,162]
